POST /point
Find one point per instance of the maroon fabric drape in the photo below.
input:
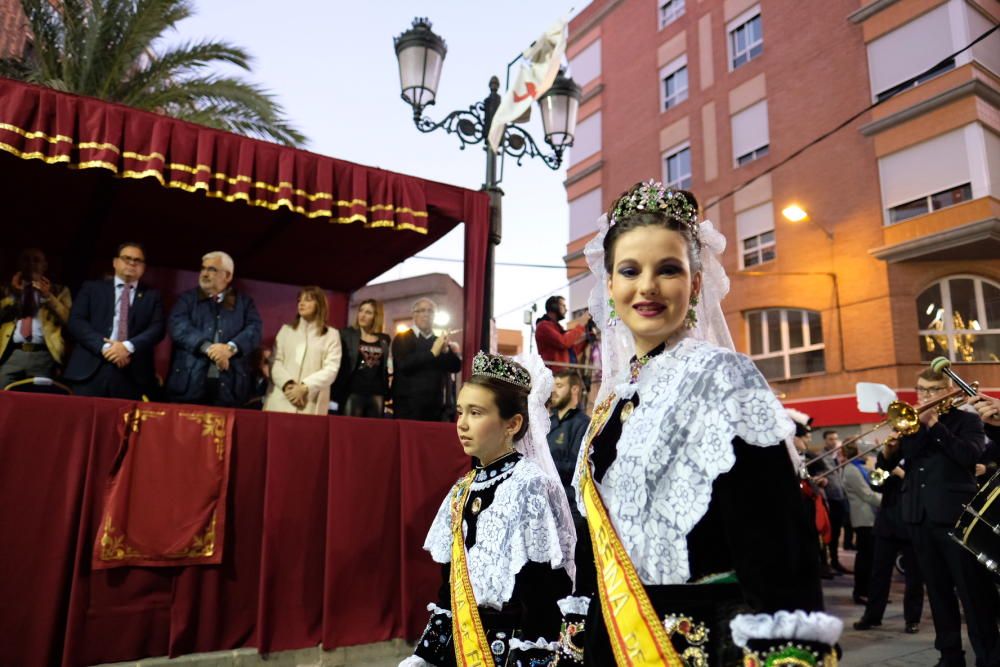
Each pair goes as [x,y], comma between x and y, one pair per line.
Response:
[326,519]
[60,128]
[166,500]
[477,235]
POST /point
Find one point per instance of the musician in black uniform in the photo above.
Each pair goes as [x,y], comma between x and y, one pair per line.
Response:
[939,460]
[892,539]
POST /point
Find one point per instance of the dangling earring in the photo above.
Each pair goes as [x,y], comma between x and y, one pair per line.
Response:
[612,315]
[691,321]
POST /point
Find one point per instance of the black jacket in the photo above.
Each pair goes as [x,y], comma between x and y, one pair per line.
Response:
[418,377]
[350,342]
[193,323]
[939,464]
[90,322]
[565,436]
[889,520]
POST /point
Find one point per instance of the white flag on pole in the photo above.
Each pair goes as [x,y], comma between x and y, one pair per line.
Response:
[543,58]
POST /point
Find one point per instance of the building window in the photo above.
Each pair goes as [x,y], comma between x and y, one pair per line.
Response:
[675,88]
[677,167]
[751,138]
[758,249]
[755,230]
[746,40]
[752,155]
[670,11]
[941,68]
[786,343]
[959,318]
[934,202]
[918,45]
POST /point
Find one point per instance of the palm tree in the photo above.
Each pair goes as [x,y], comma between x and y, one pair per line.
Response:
[108,49]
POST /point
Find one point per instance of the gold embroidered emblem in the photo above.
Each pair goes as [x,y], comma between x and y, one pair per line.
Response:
[627,411]
[477,504]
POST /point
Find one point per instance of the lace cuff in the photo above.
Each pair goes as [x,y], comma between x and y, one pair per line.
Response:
[784,625]
[414,661]
[537,654]
[574,605]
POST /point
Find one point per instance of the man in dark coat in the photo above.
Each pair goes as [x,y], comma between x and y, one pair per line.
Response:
[215,330]
[422,364]
[892,539]
[568,425]
[117,324]
[939,460]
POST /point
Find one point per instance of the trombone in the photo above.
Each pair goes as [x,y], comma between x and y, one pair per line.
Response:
[904,419]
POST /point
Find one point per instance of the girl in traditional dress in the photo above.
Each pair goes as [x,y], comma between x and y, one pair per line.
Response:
[698,552]
[504,534]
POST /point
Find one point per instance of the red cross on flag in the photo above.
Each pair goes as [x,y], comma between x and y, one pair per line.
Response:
[543,59]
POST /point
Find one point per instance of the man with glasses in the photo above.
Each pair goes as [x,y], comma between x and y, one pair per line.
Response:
[422,366]
[33,311]
[215,330]
[939,461]
[116,323]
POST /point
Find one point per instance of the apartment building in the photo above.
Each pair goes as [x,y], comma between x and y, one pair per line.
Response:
[897,259]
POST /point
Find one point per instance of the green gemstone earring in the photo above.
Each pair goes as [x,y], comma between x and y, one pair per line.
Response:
[612,315]
[691,320]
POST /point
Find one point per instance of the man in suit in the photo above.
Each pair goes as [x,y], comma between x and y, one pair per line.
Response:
[939,460]
[422,363]
[117,324]
[215,330]
[33,311]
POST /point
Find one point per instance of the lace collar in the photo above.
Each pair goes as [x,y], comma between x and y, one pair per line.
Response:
[495,472]
[528,520]
[695,398]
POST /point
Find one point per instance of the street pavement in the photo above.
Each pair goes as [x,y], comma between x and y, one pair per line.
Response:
[888,645]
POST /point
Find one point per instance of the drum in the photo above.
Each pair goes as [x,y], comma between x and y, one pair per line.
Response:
[978,528]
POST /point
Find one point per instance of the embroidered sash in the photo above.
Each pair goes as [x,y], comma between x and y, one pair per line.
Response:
[638,637]
[471,647]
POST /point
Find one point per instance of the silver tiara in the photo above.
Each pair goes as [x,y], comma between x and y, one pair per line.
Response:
[501,368]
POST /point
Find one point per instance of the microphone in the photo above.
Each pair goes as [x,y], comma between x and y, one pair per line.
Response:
[943,365]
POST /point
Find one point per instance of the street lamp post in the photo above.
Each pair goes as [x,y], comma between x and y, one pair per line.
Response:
[421,54]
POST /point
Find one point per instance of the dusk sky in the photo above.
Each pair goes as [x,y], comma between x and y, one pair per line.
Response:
[333,68]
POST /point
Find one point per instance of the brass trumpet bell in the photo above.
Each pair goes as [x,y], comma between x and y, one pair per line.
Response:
[903,418]
[878,477]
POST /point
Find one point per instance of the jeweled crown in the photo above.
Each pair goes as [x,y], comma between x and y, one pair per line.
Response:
[654,197]
[501,368]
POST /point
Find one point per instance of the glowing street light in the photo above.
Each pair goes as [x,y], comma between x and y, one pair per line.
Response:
[794,213]
[441,319]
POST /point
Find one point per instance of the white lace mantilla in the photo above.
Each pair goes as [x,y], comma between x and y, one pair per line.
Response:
[528,520]
[694,398]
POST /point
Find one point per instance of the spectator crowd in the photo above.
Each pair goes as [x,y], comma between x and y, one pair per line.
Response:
[102,343]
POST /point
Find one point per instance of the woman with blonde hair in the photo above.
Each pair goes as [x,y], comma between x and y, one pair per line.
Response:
[361,388]
[306,359]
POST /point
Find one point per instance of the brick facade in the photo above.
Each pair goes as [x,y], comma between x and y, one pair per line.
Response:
[813,73]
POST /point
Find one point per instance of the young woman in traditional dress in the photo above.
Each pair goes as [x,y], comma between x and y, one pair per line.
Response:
[698,552]
[504,534]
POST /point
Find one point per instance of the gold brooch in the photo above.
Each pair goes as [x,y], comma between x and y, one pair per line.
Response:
[627,411]
[477,504]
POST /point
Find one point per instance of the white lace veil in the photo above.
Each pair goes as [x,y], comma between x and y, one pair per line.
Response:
[617,345]
[535,444]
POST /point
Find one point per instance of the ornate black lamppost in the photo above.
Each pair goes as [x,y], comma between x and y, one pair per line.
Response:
[421,55]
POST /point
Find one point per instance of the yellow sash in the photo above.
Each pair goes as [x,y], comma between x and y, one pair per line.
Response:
[638,637]
[471,648]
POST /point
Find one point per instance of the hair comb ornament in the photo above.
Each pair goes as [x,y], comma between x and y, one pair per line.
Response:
[501,368]
[654,197]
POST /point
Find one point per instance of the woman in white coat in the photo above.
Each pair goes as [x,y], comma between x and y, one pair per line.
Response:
[306,359]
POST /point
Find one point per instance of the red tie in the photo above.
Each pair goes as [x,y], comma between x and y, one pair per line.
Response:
[123,306]
[26,327]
